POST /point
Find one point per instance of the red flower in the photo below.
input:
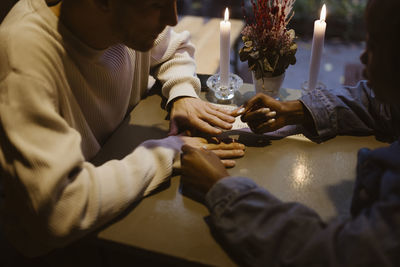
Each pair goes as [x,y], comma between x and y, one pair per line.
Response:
[269,46]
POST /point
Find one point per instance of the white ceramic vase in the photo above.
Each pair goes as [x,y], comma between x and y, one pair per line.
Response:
[268,85]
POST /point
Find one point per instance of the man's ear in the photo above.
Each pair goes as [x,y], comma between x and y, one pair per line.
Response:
[103,5]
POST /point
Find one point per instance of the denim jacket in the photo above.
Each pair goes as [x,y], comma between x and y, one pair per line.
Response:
[351,111]
[257,229]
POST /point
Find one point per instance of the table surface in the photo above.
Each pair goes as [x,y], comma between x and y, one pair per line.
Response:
[320,176]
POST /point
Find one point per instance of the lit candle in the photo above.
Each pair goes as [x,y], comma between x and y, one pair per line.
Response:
[317,49]
[225,32]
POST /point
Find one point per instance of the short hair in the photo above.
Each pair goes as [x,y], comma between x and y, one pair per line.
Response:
[383,20]
[382,23]
[383,28]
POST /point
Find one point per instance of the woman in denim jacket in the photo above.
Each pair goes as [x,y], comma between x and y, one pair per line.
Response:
[259,229]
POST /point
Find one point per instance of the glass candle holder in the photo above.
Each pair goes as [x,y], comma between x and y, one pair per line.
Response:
[224,92]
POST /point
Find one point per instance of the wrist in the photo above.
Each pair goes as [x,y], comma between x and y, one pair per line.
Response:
[172,102]
[295,112]
[215,180]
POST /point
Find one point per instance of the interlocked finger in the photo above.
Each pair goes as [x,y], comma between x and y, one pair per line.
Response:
[262,114]
[267,126]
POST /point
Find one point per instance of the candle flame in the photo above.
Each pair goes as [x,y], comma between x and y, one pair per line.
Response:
[226,14]
[323,13]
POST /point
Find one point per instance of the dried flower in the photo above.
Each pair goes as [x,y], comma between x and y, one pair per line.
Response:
[269,47]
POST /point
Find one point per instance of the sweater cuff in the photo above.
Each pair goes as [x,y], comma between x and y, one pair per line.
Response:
[182,90]
[185,89]
[168,152]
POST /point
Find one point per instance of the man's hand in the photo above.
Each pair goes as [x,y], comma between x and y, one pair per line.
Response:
[188,113]
[226,152]
[201,168]
[265,114]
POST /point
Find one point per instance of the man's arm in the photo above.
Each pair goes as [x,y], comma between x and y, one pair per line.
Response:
[53,195]
[257,229]
[173,64]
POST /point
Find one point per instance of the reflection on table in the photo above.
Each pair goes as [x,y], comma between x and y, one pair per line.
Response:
[171,225]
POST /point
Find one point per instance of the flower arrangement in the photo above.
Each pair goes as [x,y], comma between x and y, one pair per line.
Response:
[269,47]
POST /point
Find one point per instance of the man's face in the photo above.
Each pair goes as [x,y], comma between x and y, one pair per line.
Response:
[137,23]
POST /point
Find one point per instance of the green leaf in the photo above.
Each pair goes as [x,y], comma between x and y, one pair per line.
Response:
[255,54]
[267,65]
[247,49]
[248,44]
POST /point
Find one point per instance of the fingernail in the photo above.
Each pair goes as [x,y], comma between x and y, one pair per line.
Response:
[265,110]
[204,147]
[272,114]
[271,121]
[240,111]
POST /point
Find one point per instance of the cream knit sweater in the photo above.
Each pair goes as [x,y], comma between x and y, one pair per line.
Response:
[59,102]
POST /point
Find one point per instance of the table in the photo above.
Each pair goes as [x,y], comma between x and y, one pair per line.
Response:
[172,226]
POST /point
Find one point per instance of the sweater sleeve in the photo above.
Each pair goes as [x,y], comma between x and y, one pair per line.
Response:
[172,62]
[257,229]
[351,111]
[52,194]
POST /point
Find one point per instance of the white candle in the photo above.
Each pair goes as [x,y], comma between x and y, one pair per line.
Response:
[225,36]
[317,49]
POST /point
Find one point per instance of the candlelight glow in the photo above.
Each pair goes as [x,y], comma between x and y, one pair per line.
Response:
[323,13]
[226,14]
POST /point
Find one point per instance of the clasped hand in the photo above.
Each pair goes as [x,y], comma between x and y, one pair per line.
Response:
[201,169]
[262,113]
[265,114]
[195,115]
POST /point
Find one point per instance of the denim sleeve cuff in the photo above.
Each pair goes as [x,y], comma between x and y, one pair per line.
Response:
[321,110]
[229,188]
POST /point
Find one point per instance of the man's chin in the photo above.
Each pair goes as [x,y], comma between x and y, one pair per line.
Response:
[143,47]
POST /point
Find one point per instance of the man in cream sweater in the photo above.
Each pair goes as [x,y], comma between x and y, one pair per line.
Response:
[68,76]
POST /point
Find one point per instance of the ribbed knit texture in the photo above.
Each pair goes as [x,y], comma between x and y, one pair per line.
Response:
[59,102]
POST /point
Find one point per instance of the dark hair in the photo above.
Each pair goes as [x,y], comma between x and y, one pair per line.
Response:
[382,23]
[383,20]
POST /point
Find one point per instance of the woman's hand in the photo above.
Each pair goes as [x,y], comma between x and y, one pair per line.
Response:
[265,114]
[201,168]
